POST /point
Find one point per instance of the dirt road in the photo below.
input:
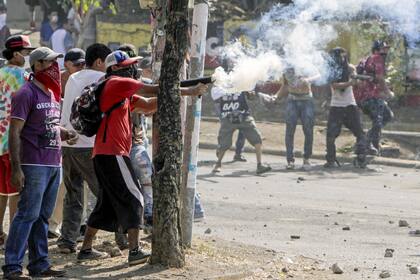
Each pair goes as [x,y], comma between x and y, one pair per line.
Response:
[345,216]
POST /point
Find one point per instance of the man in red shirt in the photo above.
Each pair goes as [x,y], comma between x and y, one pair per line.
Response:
[371,94]
[120,201]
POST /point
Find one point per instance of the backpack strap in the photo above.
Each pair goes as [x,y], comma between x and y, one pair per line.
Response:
[107,113]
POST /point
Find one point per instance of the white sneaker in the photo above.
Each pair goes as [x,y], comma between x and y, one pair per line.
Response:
[306,165]
[290,165]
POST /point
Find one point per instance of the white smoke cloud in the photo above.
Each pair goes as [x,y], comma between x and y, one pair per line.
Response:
[296,35]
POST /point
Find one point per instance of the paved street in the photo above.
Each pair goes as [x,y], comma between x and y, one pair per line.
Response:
[266,210]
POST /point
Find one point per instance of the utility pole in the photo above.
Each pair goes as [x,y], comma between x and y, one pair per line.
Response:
[193,117]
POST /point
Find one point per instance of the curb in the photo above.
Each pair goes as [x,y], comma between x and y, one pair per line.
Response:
[341,157]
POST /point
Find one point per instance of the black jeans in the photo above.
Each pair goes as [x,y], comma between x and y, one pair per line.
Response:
[380,114]
[349,117]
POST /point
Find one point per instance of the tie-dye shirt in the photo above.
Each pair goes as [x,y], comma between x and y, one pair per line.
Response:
[12,78]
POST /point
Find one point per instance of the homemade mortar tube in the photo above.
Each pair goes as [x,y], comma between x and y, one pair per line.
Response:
[194,82]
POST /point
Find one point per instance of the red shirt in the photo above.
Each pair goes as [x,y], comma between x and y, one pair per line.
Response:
[118,133]
[375,65]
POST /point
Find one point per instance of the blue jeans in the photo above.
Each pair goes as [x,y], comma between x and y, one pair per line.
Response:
[303,110]
[30,225]
[143,169]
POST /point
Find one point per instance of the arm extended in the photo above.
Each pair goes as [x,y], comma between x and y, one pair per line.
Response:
[144,105]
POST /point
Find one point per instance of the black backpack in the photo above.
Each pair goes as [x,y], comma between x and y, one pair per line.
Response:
[86,115]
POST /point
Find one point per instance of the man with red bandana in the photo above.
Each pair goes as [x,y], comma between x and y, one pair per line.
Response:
[35,152]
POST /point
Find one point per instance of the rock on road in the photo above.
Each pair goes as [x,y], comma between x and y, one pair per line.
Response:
[316,206]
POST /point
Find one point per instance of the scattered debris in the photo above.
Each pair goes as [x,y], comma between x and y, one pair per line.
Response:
[414,269]
[337,269]
[389,253]
[403,223]
[385,274]
[414,232]
[208,231]
[115,252]
[107,243]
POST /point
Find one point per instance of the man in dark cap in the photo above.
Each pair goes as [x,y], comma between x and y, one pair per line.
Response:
[74,61]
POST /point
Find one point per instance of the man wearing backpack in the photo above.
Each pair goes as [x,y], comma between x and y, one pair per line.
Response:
[120,202]
[77,162]
[371,94]
[35,152]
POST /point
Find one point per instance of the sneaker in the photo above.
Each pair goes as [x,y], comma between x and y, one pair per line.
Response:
[65,249]
[239,158]
[332,164]
[91,254]
[49,273]
[16,276]
[306,165]
[137,256]
[371,150]
[53,235]
[198,217]
[217,167]
[360,162]
[290,165]
[262,169]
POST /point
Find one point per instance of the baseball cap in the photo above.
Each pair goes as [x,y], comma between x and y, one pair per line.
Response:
[43,53]
[120,58]
[18,42]
[76,55]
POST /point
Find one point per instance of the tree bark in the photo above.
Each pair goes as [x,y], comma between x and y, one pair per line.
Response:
[166,239]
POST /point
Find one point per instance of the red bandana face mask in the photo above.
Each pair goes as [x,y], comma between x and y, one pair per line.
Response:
[51,79]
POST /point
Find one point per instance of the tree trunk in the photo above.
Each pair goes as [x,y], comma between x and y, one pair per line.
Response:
[166,239]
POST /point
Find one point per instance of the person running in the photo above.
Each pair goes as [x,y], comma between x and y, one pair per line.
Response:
[235,115]
[35,153]
[77,163]
[371,95]
[300,105]
[120,203]
[343,110]
[12,77]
